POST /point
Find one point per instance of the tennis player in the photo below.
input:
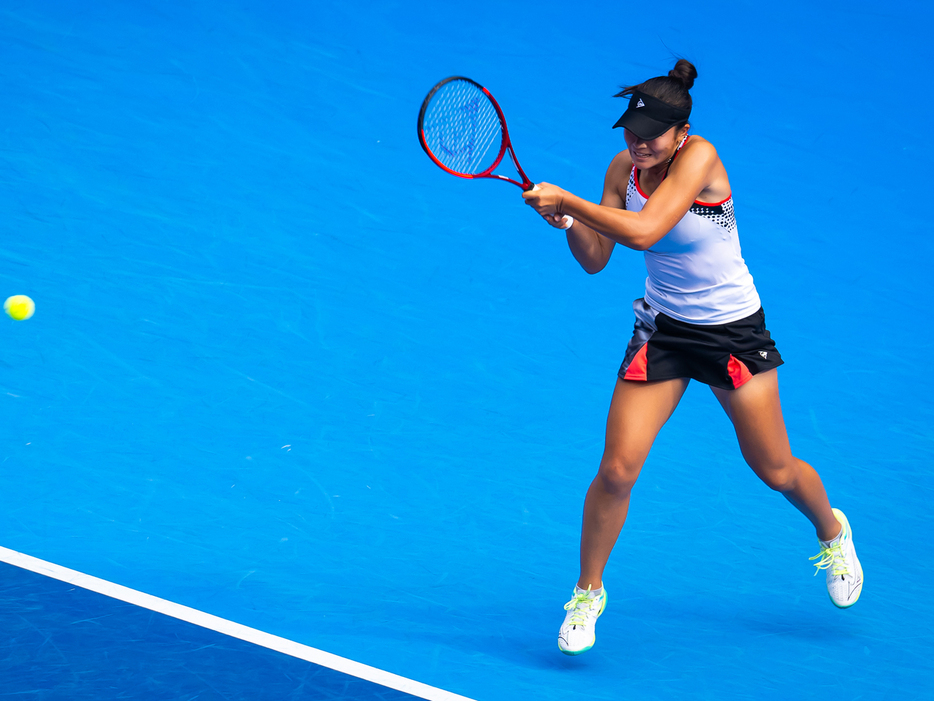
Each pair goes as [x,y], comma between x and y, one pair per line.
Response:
[668,195]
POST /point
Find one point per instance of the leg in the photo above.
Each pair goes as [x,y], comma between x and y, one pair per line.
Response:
[756,414]
[637,413]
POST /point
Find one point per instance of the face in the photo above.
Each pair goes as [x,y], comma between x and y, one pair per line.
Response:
[654,152]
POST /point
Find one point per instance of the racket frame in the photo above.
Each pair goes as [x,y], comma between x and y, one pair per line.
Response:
[505,146]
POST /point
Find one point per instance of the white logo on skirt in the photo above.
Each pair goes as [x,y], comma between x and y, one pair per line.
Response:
[764,355]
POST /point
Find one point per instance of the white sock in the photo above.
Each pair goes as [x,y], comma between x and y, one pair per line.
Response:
[591,594]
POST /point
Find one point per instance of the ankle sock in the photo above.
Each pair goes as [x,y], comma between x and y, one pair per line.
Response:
[593,592]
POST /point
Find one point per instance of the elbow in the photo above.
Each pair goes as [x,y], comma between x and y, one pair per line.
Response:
[593,266]
[643,234]
[640,244]
[643,241]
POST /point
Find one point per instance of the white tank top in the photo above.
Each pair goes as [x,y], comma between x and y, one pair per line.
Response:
[696,271]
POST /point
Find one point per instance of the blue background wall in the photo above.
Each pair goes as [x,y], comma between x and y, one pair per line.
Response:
[285,370]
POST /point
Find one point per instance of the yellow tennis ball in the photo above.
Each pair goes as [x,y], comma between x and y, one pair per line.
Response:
[19,307]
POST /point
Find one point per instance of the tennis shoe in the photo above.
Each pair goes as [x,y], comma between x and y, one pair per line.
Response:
[577,633]
[844,573]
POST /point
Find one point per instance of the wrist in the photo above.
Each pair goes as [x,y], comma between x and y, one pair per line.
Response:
[563,196]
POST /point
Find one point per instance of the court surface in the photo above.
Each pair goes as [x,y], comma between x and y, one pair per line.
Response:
[286,372]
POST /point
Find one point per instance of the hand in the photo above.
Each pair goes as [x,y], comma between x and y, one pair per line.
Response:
[545,198]
[558,220]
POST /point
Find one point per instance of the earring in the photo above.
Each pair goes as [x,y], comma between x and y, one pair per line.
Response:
[683,139]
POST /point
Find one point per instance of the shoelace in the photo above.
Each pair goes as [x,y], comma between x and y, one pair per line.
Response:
[831,557]
[579,617]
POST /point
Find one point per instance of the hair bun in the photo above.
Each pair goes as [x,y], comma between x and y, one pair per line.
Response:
[685,72]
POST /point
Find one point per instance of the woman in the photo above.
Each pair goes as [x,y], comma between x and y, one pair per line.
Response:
[668,195]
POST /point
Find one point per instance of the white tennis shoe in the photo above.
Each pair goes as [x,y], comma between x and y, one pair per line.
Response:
[577,633]
[844,573]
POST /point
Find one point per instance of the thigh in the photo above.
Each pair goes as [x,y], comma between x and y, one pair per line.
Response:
[637,413]
[756,413]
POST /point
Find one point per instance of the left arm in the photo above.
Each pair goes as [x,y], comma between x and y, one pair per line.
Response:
[688,176]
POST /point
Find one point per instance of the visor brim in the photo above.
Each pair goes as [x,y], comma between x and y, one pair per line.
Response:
[642,126]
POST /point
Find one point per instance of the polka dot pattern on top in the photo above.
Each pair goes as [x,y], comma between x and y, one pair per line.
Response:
[721,214]
[631,191]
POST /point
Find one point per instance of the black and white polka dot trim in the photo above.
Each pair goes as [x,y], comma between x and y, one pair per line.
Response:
[631,191]
[720,214]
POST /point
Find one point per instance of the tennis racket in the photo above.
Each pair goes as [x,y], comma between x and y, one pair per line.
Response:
[463,130]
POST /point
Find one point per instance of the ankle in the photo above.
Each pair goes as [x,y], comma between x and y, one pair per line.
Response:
[827,536]
[583,585]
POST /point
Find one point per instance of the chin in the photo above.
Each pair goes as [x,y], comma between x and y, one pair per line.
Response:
[646,163]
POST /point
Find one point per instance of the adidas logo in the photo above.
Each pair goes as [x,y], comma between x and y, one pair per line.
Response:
[764,354]
[640,103]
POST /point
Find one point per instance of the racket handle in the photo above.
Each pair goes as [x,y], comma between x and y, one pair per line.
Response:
[568,220]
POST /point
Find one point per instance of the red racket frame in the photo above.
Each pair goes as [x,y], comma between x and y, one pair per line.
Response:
[506,145]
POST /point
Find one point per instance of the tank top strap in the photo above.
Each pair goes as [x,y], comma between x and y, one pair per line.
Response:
[634,173]
[677,151]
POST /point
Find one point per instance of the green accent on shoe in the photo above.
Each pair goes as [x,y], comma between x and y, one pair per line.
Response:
[580,598]
[832,558]
[574,653]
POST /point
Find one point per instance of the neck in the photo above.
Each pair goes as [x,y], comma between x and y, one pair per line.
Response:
[658,172]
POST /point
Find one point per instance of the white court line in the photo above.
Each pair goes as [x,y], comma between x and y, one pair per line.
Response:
[222,625]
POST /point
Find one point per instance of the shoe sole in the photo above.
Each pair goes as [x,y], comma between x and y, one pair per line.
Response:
[574,653]
[846,524]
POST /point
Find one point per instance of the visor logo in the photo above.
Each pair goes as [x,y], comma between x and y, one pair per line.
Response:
[640,103]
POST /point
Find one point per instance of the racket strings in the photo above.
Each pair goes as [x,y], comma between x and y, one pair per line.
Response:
[461,126]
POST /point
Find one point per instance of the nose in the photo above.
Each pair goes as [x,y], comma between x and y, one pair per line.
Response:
[634,140]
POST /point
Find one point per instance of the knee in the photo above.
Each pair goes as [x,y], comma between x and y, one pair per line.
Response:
[782,477]
[618,474]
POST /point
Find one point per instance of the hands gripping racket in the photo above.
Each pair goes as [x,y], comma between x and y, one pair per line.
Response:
[463,130]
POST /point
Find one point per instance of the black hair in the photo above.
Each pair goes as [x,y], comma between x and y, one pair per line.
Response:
[672,89]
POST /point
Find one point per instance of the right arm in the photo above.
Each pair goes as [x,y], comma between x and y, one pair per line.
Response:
[591,248]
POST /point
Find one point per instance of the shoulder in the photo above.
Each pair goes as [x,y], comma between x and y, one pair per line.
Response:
[698,151]
[620,166]
[698,166]
[616,181]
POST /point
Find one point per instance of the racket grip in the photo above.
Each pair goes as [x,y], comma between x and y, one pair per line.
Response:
[568,220]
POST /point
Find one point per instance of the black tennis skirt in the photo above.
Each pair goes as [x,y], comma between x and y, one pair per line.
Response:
[721,355]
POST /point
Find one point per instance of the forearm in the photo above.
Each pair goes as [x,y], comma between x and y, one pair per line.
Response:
[619,225]
[588,247]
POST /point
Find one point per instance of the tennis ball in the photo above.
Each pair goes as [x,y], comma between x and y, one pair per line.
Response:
[19,307]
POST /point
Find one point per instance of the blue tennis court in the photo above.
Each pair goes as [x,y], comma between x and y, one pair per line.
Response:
[286,373]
